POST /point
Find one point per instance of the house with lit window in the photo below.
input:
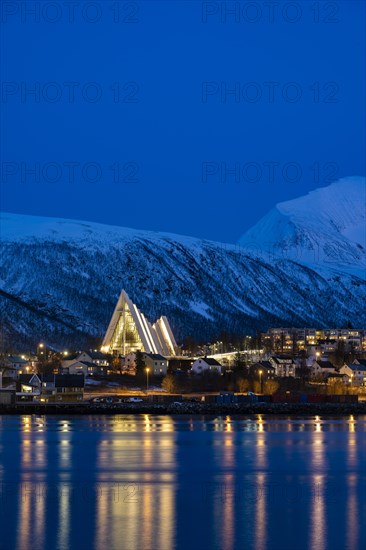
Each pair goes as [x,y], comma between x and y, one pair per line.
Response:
[338,378]
[206,364]
[322,369]
[356,373]
[86,368]
[267,370]
[50,388]
[28,387]
[13,366]
[61,388]
[97,358]
[155,362]
[284,365]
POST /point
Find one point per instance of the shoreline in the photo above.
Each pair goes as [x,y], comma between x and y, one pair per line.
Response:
[77,409]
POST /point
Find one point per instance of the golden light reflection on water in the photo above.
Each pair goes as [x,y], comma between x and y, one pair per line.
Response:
[228,424]
[261,512]
[135,464]
[24,524]
[147,423]
[39,518]
[352,424]
[261,452]
[352,512]
[224,503]
[318,533]
[26,453]
[318,502]
[232,492]
[225,514]
[139,505]
[65,426]
[26,420]
[260,423]
[64,519]
[318,426]
[261,497]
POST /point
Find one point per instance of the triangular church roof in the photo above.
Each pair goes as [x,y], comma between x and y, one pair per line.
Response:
[127,319]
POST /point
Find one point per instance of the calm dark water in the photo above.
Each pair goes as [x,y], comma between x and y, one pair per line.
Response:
[161,483]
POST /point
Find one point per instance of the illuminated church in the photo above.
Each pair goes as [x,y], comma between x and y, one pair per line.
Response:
[130,331]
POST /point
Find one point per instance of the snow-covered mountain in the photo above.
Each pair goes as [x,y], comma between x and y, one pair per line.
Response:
[60,280]
[327,227]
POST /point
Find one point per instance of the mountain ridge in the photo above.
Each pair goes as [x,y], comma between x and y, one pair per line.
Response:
[60,280]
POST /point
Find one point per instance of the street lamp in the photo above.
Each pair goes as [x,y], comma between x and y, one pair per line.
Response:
[260,379]
[147,379]
[40,348]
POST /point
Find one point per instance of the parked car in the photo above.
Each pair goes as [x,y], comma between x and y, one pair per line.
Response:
[134,400]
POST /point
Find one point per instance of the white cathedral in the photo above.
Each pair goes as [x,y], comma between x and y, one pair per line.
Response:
[130,331]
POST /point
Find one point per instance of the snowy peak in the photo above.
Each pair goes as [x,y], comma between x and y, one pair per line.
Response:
[341,206]
[325,227]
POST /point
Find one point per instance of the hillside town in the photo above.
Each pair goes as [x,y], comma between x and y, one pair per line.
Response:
[288,363]
[139,359]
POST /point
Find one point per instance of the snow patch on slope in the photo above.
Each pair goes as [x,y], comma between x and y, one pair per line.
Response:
[201,308]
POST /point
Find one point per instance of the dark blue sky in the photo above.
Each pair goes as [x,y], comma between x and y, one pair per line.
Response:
[167,123]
